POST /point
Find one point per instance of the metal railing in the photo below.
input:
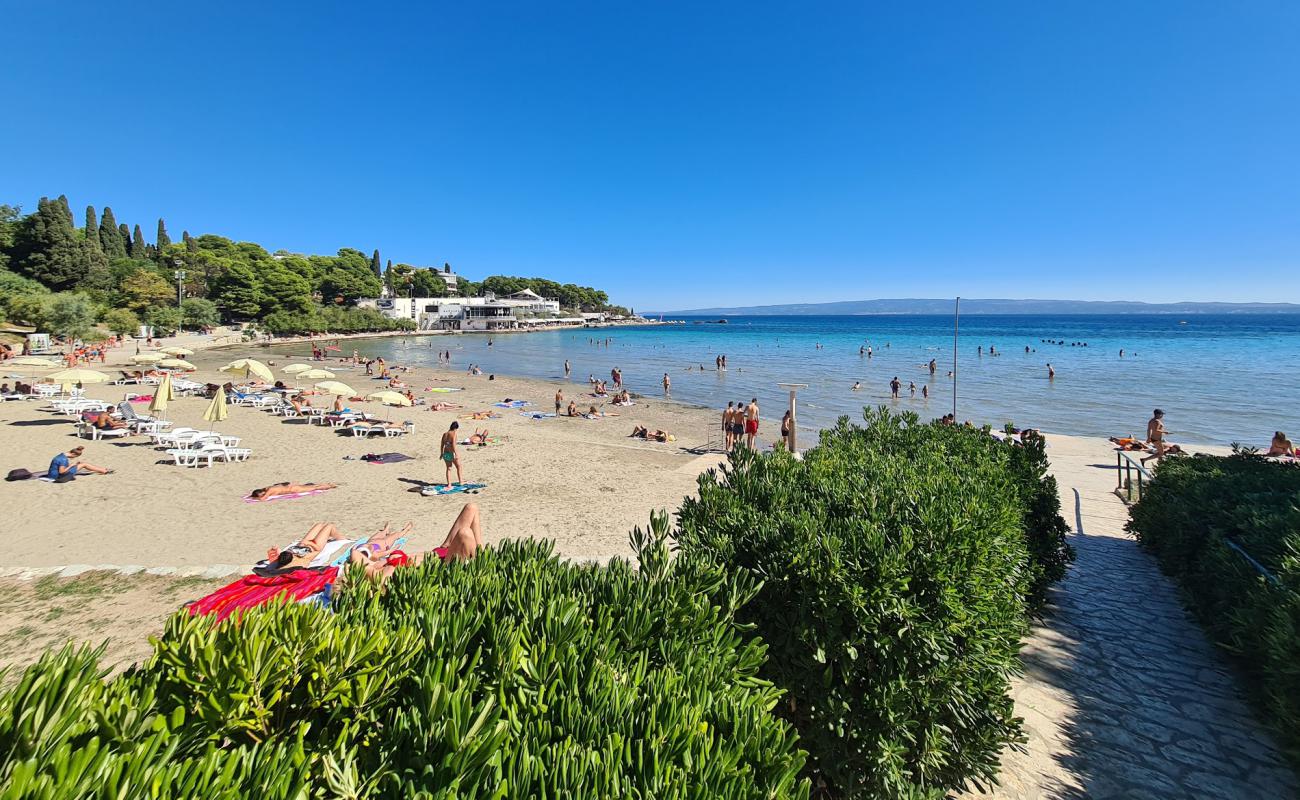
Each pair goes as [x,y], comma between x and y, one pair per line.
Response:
[1127,469]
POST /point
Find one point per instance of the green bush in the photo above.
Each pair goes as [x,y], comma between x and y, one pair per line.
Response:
[897,575]
[1045,531]
[1190,515]
[514,675]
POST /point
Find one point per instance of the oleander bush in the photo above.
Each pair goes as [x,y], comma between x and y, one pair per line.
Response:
[1202,516]
[898,574]
[514,675]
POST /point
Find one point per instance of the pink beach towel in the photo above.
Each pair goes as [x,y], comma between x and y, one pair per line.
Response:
[249,498]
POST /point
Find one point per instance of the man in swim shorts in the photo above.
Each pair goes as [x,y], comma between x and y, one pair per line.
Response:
[751,422]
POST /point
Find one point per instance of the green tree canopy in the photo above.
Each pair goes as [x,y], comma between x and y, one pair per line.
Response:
[120,321]
[71,315]
[238,291]
[197,312]
[143,289]
[110,236]
[163,239]
[426,283]
[47,248]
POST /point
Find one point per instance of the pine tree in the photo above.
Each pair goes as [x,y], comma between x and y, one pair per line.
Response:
[110,238]
[374,265]
[163,238]
[92,251]
[46,247]
[138,249]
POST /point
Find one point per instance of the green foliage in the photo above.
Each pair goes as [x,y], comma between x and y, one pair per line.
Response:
[163,240]
[896,579]
[166,320]
[238,291]
[71,315]
[426,283]
[120,321]
[513,675]
[570,295]
[143,289]
[110,237]
[139,250]
[21,299]
[1045,530]
[196,312]
[46,247]
[10,217]
[332,319]
[1189,517]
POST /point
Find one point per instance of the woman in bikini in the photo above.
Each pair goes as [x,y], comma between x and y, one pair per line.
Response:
[462,543]
[280,489]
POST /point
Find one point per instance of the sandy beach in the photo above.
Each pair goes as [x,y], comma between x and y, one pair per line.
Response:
[582,483]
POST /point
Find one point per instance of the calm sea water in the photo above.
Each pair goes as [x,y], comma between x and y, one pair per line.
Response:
[1219,378]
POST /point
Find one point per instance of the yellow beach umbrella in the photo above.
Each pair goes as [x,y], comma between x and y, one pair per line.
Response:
[315,374]
[69,377]
[178,351]
[176,363]
[335,387]
[249,368]
[389,398]
[216,410]
[162,395]
[148,358]
[33,361]
[294,369]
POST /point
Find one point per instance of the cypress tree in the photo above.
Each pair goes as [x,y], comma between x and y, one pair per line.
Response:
[163,238]
[110,238]
[374,265]
[92,251]
[138,249]
[67,210]
[125,233]
[191,244]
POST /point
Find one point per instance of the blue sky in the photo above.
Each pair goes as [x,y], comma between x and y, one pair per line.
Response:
[691,154]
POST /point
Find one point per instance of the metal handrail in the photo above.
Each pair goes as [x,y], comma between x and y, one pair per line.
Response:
[1126,466]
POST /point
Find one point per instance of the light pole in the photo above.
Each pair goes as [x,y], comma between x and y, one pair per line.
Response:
[179,274]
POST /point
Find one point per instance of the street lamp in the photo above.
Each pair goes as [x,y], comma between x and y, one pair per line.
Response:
[179,274]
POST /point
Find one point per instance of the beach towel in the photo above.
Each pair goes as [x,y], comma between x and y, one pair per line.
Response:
[513,404]
[250,499]
[490,440]
[536,414]
[442,389]
[251,591]
[385,458]
[480,416]
[456,488]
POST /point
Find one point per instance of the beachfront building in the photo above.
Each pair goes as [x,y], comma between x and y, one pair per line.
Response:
[524,309]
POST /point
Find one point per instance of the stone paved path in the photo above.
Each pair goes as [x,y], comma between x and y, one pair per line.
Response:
[1123,697]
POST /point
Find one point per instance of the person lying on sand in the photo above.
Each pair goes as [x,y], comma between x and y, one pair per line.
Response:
[656,435]
[481,415]
[1127,443]
[594,413]
[479,437]
[379,546]
[462,543]
[305,549]
[279,489]
[441,406]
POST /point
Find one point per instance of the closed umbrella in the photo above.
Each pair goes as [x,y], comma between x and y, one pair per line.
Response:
[315,374]
[162,396]
[389,398]
[216,410]
[177,351]
[176,363]
[249,367]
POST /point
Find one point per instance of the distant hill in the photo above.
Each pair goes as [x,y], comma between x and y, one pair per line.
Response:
[976,306]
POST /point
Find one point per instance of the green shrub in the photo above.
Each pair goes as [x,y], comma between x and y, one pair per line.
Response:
[1045,531]
[1190,515]
[514,675]
[896,577]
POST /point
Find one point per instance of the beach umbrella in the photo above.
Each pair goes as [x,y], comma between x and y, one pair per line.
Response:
[177,351]
[294,369]
[389,398]
[216,410]
[35,362]
[148,358]
[69,377]
[249,367]
[335,387]
[176,363]
[162,396]
[315,374]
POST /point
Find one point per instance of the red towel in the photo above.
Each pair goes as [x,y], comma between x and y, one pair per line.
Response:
[254,590]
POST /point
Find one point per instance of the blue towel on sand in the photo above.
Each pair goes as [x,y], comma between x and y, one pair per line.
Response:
[456,488]
[512,404]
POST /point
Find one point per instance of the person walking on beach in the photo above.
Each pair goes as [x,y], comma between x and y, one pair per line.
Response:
[559,401]
[668,386]
[894,386]
[449,456]
[1156,434]
[751,422]
[727,438]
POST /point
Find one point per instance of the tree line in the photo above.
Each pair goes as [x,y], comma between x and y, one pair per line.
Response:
[66,278]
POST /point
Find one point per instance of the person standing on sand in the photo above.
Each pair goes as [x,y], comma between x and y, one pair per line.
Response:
[726,426]
[751,422]
[449,456]
[668,386]
[559,401]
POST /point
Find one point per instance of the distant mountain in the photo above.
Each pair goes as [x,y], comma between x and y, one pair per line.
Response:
[976,306]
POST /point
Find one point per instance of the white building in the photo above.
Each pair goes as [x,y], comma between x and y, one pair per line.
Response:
[487,313]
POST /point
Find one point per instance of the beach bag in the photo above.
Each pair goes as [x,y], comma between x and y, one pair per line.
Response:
[20,474]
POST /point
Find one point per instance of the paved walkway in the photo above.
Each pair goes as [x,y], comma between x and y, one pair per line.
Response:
[1123,696]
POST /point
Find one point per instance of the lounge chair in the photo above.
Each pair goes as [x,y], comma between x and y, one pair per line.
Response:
[95,433]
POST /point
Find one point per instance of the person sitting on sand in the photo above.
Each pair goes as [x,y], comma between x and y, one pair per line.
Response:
[280,489]
[572,410]
[62,467]
[641,432]
[1281,446]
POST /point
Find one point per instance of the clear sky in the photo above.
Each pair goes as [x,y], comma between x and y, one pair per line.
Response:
[691,154]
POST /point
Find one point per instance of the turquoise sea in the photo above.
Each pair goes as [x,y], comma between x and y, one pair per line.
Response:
[1219,378]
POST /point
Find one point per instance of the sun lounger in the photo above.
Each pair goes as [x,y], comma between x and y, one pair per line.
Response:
[85,429]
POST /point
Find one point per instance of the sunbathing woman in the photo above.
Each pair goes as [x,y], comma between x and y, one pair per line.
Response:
[479,437]
[462,543]
[480,415]
[379,546]
[305,549]
[645,433]
[1281,446]
[441,406]
[280,489]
